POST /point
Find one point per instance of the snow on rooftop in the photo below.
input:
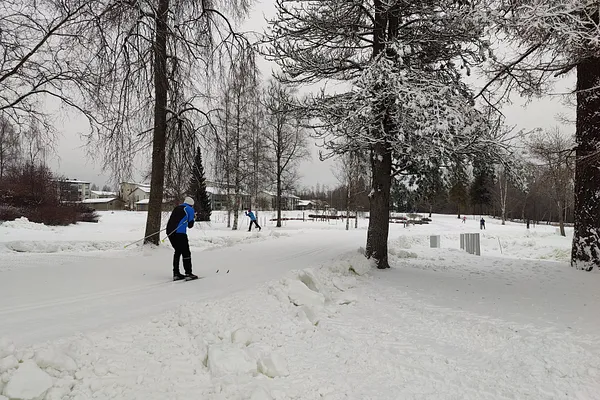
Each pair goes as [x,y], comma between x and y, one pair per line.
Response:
[103,193]
[97,201]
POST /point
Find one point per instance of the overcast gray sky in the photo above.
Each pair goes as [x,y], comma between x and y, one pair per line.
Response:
[73,162]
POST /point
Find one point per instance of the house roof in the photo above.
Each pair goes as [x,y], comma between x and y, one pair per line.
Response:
[284,195]
[73,181]
[304,202]
[145,189]
[147,201]
[103,193]
[222,191]
[135,184]
[98,201]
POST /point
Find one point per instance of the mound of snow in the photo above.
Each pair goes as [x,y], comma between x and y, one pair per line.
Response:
[7,363]
[53,358]
[360,264]
[227,360]
[272,366]
[7,347]
[29,382]
[300,295]
[24,223]
[241,336]
[259,393]
[307,276]
[402,253]
[311,314]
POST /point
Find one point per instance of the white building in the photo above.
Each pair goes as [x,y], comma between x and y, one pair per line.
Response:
[131,193]
[268,200]
[74,190]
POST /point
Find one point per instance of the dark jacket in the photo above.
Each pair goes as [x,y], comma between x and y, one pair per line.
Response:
[181,218]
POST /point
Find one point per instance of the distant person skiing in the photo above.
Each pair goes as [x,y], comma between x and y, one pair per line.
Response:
[464,219]
[182,217]
[252,217]
[482,223]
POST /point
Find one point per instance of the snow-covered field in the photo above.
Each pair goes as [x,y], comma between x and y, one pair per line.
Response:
[295,313]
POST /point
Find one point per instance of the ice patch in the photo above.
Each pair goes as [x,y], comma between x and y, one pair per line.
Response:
[28,383]
[273,366]
[227,360]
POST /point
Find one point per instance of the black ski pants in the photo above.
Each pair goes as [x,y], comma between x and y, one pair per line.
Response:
[253,222]
[180,244]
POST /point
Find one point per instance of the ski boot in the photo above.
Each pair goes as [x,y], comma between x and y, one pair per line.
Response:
[190,277]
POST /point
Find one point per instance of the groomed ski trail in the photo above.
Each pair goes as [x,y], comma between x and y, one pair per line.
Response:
[98,293]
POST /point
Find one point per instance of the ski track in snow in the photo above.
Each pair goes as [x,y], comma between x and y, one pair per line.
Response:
[441,324]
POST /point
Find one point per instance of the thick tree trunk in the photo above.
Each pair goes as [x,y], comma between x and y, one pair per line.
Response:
[379,218]
[585,253]
[161,85]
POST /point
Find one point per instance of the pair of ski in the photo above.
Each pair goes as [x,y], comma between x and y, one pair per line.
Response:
[186,279]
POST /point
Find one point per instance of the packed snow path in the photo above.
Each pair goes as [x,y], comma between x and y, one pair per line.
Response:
[49,301]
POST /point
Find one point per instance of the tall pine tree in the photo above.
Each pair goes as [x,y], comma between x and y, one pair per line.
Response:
[198,190]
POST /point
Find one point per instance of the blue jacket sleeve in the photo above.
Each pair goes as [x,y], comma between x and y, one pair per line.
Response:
[190,216]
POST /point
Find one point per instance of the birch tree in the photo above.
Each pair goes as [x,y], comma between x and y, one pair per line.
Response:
[285,136]
[129,51]
[406,104]
[10,146]
[553,151]
[241,90]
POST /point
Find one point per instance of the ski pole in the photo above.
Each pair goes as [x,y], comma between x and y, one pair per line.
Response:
[144,238]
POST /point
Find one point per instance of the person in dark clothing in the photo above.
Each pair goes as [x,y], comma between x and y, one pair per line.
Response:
[252,217]
[182,217]
[482,223]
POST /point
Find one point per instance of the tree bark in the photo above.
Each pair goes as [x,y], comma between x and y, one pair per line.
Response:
[161,84]
[379,218]
[585,252]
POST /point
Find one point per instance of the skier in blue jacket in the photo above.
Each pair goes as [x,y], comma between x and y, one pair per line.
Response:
[250,215]
[182,217]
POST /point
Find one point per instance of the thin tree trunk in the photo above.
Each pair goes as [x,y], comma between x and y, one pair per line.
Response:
[348,207]
[160,125]
[561,218]
[585,253]
[237,171]
[278,166]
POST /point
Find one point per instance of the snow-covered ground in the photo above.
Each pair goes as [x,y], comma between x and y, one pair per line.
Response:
[295,313]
